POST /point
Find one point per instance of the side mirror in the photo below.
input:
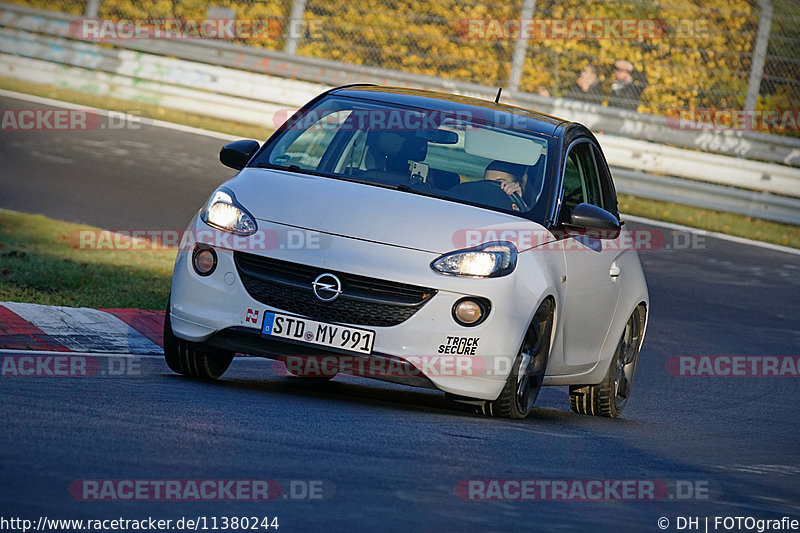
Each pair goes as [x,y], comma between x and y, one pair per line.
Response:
[238,153]
[594,221]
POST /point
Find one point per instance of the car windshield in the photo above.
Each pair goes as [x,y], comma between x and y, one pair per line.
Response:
[452,155]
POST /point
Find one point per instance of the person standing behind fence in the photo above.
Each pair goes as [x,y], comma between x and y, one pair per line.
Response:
[627,89]
[587,86]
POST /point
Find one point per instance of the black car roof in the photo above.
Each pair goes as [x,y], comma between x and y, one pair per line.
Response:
[447,102]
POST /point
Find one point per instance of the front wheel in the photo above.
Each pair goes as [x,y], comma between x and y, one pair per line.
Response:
[527,374]
[187,358]
[609,397]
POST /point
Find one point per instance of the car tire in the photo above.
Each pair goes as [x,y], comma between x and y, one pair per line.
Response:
[609,397]
[527,374]
[189,359]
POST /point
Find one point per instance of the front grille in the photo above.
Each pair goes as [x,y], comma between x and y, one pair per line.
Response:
[364,301]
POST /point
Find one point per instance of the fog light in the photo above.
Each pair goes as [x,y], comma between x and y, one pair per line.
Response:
[470,311]
[204,260]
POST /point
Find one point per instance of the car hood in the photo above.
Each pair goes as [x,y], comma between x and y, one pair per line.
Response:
[372,213]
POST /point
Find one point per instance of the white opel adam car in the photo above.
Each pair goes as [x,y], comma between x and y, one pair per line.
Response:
[464,245]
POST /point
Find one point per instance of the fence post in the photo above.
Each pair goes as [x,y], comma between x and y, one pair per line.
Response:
[92,8]
[521,46]
[760,52]
[295,22]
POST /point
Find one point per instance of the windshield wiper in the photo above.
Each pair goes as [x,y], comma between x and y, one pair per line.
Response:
[293,168]
[406,188]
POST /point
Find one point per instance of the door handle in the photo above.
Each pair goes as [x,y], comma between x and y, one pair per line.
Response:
[615,271]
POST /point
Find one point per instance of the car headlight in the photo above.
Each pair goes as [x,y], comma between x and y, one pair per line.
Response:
[489,260]
[223,212]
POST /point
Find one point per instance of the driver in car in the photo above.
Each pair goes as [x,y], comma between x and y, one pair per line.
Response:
[512,179]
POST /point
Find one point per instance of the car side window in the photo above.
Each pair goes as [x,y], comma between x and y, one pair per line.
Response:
[307,148]
[581,181]
[607,190]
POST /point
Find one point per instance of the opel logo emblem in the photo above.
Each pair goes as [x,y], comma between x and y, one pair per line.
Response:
[327,287]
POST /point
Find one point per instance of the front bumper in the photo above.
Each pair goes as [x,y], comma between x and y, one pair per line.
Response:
[214,310]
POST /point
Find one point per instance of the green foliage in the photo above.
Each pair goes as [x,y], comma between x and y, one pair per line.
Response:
[701,59]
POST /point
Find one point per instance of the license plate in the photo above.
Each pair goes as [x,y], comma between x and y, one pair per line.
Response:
[311,331]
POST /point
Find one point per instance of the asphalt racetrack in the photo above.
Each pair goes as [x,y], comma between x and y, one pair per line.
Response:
[390,457]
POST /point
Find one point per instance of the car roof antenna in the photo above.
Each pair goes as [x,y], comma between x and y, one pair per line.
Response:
[497,98]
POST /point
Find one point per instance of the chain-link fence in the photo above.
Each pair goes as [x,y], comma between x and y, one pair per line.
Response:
[660,57]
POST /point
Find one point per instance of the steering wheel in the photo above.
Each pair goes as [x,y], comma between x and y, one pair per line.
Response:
[482,192]
[516,199]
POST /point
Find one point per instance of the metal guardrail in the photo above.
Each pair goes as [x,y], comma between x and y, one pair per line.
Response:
[707,195]
[744,144]
[226,91]
[247,93]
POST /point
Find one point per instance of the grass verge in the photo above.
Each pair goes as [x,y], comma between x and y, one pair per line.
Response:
[142,109]
[729,223]
[741,226]
[40,263]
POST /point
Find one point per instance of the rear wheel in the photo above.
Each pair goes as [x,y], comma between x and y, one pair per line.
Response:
[189,359]
[609,397]
[527,374]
